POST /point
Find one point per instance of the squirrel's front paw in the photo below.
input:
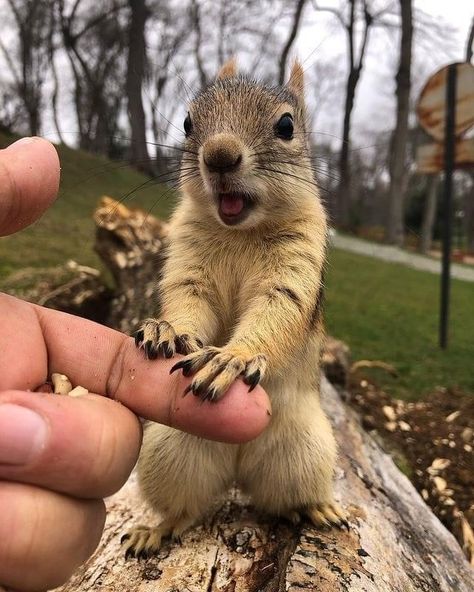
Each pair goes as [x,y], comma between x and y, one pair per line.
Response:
[158,338]
[217,368]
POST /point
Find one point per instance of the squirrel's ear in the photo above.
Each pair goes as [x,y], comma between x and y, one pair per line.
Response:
[296,81]
[228,70]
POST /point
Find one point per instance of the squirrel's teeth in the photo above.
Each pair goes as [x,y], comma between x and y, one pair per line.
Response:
[231,204]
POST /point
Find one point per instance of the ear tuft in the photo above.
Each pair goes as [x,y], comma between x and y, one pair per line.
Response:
[228,70]
[296,81]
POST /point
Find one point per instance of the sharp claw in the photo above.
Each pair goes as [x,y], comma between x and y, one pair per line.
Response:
[177,366]
[181,344]
[211,395]
[129,553]
[187,389]
[124,538]
[165,349]
[184,365]
[252,380]
[200,390]
[150,351]
[345,523]
[139,335]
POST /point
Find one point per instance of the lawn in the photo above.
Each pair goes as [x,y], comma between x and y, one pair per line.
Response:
[388,312]
[66,230]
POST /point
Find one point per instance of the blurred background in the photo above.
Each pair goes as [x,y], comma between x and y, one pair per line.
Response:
[109,83]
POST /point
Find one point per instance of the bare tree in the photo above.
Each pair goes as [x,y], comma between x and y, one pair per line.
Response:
[29,60]
[358,15]
[395,229]
[136,65]
[283,61]
[95,39]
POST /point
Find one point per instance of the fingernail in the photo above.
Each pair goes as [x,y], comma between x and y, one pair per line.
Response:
[23,434]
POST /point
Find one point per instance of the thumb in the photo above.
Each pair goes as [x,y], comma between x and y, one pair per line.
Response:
[29,181]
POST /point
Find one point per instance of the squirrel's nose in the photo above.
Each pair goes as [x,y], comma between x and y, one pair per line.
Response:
[222,153]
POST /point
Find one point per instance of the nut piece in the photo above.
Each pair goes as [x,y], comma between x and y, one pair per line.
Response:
[78,391]
[61,383]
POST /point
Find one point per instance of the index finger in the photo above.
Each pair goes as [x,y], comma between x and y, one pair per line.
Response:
[107,362]
[29,180]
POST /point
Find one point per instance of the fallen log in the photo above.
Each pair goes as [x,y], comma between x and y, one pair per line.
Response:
[395,543]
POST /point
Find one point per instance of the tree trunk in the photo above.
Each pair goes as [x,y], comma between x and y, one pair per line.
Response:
[344,189]
[398,173]
[135,74]
[429,214]
[291,39]
[344,193]
[395,543]
[198,40]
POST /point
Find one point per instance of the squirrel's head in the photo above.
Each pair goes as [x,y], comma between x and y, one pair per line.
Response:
[246,152]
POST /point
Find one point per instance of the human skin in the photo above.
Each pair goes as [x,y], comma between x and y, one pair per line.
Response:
[60,456]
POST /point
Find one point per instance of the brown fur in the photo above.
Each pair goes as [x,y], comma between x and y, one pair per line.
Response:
[251,295]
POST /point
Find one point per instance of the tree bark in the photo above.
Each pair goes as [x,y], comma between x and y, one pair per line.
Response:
[395,543]
[398,174]
[429,214]
[135,75]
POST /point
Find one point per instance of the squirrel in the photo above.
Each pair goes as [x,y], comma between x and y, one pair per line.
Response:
[241,296]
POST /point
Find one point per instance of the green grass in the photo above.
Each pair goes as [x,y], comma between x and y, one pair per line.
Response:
[66,230]
[386,311]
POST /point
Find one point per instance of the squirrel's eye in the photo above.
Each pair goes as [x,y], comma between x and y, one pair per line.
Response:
[188,126]
[284,127]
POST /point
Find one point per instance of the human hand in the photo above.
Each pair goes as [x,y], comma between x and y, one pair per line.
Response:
[59,456]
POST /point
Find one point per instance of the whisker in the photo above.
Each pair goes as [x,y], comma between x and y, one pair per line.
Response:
[312,184]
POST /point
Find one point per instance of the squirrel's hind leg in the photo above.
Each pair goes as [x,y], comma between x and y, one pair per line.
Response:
[180,476]
[289,469]
[144,541]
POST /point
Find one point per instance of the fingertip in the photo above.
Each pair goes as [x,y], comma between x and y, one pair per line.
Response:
[29,176]
[236,418]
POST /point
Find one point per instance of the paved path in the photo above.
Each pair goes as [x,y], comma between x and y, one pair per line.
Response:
[396,255]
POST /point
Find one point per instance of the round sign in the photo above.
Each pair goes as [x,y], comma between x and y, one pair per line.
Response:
[431,108]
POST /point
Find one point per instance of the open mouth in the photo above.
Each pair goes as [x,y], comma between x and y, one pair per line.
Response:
[234,207]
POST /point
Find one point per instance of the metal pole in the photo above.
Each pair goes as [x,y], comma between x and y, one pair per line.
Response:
[449,157]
